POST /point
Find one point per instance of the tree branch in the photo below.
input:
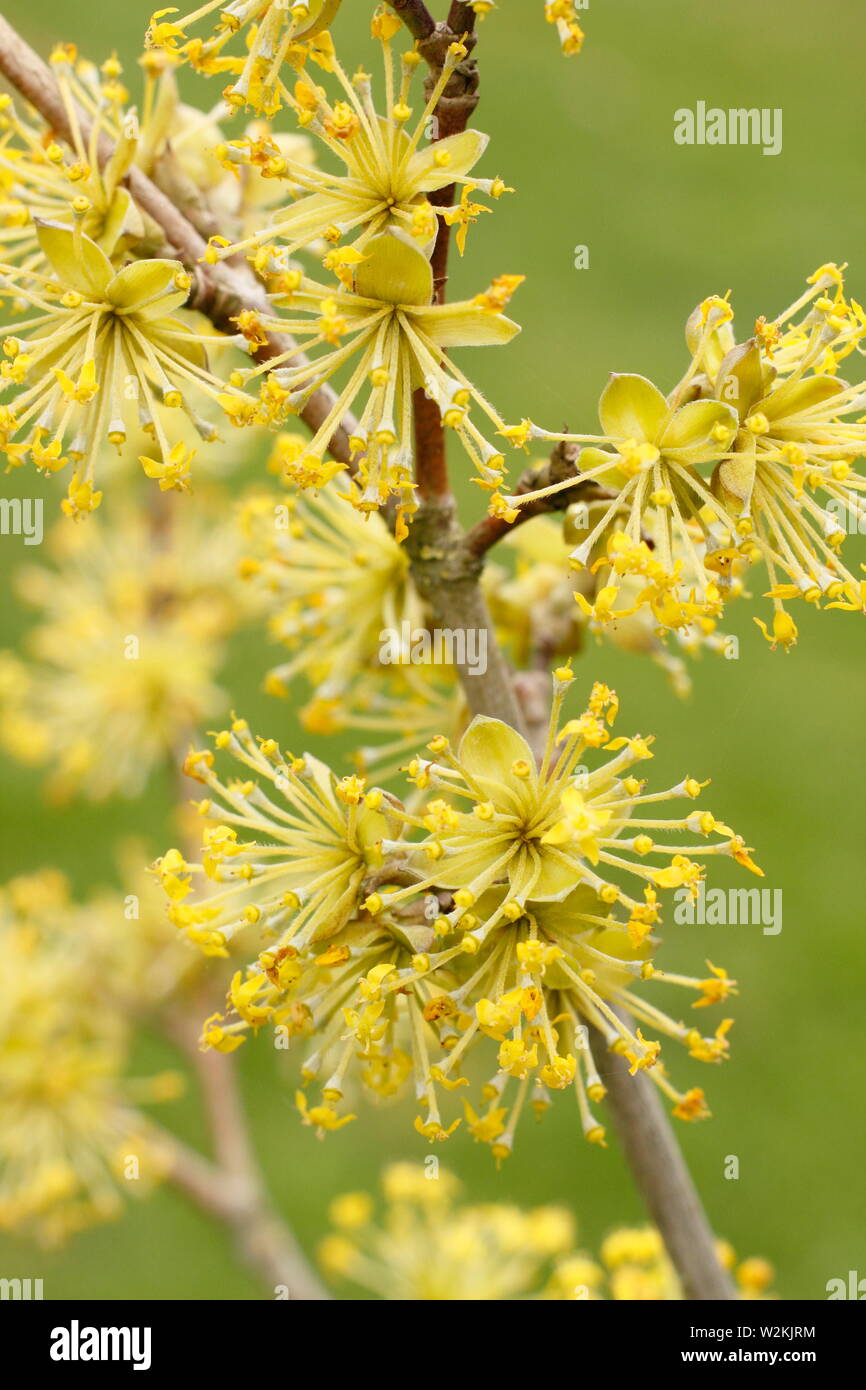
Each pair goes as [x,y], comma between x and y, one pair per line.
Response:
[231,1188]
[416,16]
[563,463]
[661,1176]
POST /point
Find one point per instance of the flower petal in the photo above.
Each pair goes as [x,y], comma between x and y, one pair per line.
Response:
[425,172]
[689,436]
[147,288]
[394,272]
[465,325]
[488,751]
[794,397]
[78,262]
[631,407]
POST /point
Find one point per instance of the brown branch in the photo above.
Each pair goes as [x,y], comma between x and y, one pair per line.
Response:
[448,579]
[661,1175]
[563,463]
[221,291]
[416,16]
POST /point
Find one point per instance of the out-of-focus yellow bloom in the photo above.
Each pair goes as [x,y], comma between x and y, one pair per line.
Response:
[427,1246]
[125,652]
[563,13]
[334,582]
[340,597]
[638,1268]
[71,1139]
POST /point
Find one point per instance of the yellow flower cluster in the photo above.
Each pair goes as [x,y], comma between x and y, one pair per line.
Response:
[768,417]
[388,173]
[402,936]
[276,31]
[101,346]
[429,1246]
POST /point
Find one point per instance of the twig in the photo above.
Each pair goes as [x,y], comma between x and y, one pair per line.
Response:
[563,463]
[231,1188]
[661,1175]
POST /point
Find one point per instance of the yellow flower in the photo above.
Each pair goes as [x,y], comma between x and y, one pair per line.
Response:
[396,342]
[789,478]
[69,187]
[333,581]
[299,879]
[563,13]
[532,859]
[277,31]
[387,176]
[638,1268]
[428,1246]
[101,344]
[654,447]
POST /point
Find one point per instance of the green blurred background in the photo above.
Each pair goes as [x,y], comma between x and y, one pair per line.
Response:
[588,145]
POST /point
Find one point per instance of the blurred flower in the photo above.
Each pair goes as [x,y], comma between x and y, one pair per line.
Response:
[334,581]
[40,182]
[388,173]
[100,341]
[71,1138]
[396,343]
[638,1268]
[277,32]
[428,1247]
[124,656]
[563,13]
[340,597]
